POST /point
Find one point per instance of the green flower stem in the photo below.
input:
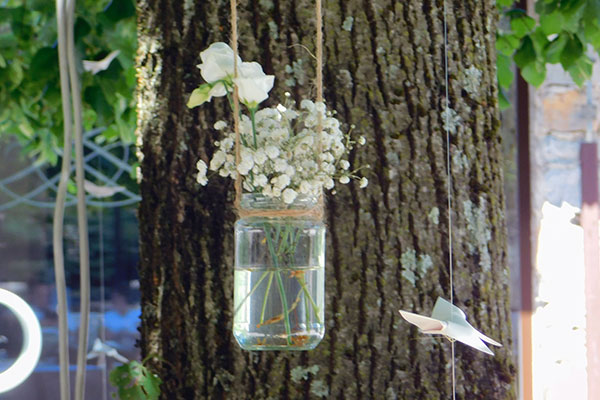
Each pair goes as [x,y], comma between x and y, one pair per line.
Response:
[264,304]
[286,313]
[262,277]
[252,114]
[306,310]
[307,295]
[286,316]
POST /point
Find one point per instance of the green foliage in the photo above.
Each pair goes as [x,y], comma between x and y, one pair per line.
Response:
[563,33]
[135,382]
[30,99]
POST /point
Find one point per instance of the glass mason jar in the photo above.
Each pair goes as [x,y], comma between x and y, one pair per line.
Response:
[279,281]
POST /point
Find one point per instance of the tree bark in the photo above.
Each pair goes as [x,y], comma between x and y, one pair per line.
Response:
[387,244]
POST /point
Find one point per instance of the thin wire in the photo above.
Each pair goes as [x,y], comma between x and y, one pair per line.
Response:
[59,208]
[236,102]
[449,189]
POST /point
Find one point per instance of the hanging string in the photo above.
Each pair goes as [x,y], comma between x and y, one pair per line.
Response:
[236,102]
[315,212]
[319,74]
[449,191]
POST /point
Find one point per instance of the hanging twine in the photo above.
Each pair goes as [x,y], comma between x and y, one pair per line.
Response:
[236,103]
[317,211]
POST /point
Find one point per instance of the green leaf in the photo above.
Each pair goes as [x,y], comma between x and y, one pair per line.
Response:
[119,9]
[591,30]
[15,69]
[552,23]
[199,96]
[540,41]
[82,28]
[503,100]
[522,25]
[581,70]
[71,186]
[135,382]
[554,49]
[572,51]
[505,72]
[507,44]
[526,53]
[94,96]
[534,73]
[572,11]
[44,64]
[504,3]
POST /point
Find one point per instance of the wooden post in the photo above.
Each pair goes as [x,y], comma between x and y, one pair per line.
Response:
[589,222]
[525,256]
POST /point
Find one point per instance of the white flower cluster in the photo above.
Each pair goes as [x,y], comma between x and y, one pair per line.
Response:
[282,153]
[280,156]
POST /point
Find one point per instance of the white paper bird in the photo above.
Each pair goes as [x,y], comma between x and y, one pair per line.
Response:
[100,348]
[450,321]
[96,66]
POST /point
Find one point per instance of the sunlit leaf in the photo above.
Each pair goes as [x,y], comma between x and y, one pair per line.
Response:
[505,72]
[552,23]
[526,53]
[135,382]
[507,44]
[522,25]
[534,73]
[572,51]
[554,49]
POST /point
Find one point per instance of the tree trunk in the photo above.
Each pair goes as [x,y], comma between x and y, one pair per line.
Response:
[387,245]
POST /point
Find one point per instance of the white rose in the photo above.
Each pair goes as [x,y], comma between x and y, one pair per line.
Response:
[289,195]
[201,177]
[253,85]
[217,62]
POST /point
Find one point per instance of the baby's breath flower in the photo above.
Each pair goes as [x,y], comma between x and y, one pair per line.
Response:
[201,177]
[280,158]
[363,182]
[289,195]
[272,152]
[220,125]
